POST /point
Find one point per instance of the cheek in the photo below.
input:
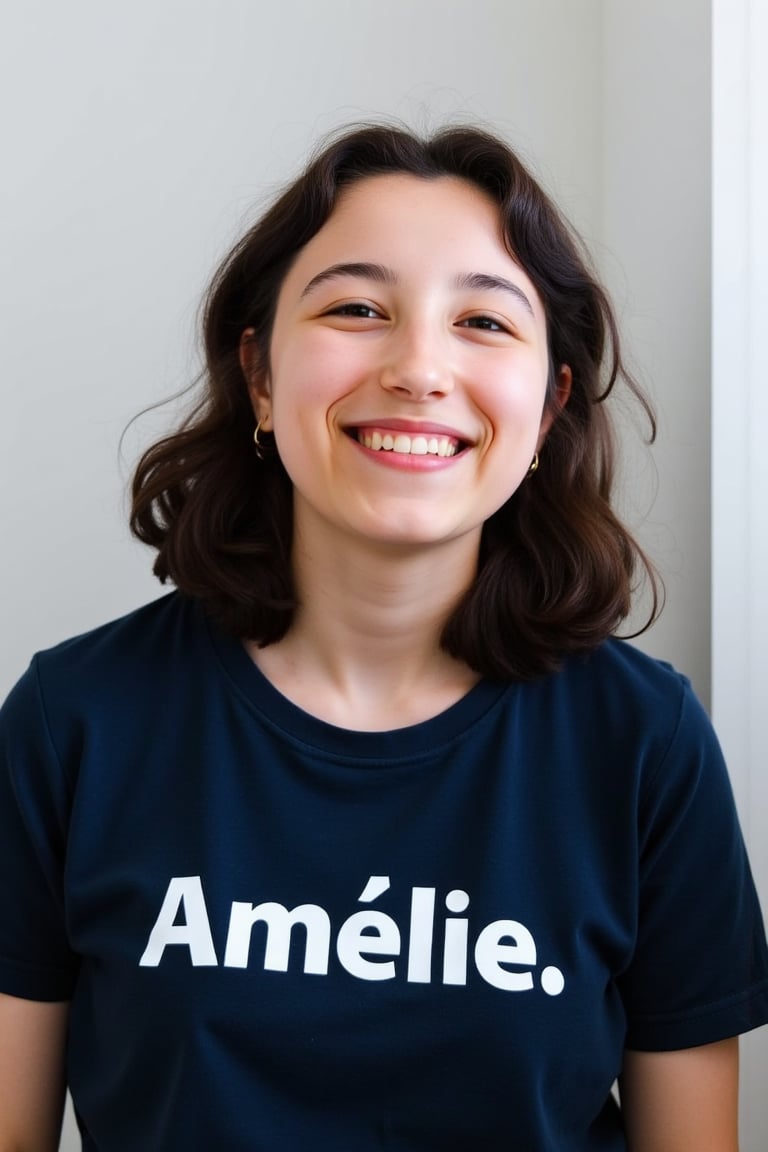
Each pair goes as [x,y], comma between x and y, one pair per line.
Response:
[515,402]
[312,373]
[303,392]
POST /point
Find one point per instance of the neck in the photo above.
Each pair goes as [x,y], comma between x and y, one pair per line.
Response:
[364,650]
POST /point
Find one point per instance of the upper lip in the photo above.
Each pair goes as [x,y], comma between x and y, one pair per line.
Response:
[409,427]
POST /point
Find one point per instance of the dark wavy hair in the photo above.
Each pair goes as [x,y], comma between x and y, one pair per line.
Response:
[556,568]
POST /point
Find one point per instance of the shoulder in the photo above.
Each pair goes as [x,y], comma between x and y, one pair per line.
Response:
[114,661]
[151,624]
[617,667]
[158,627]
[631,696]
[629,716]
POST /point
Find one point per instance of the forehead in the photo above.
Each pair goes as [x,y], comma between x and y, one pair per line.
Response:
[394,214]
[400,195]
[425,232]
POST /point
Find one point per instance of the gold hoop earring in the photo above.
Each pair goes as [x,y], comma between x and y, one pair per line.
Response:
[259,447]
[533,465]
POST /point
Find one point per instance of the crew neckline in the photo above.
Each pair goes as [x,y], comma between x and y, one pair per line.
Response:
[301,727]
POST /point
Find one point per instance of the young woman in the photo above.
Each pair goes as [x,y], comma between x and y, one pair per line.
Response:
[370,836]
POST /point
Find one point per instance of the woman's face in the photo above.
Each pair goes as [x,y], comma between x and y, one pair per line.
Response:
[408,366]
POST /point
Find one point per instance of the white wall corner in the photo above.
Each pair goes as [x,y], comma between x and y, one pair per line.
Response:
[739,456]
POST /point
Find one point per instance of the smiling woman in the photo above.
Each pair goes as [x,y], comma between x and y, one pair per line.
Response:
[369,362]
[514,292]
[370,835]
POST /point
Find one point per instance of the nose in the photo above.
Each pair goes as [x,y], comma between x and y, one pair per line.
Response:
[416,364]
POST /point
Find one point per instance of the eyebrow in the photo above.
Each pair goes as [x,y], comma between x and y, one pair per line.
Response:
[483,282]
[478,281]
[362,270]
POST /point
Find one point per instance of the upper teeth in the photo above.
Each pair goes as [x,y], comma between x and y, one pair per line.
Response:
[409,445]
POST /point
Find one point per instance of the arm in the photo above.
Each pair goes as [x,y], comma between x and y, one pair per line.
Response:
[32,1036]
[677,1101]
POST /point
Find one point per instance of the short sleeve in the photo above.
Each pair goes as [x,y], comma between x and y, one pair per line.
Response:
[700,967]
[36,962]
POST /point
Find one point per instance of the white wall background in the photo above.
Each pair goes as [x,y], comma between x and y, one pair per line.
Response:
[654,225]
[137,141]
[739,435]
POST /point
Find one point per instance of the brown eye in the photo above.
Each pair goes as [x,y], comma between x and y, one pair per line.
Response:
[361,311]
[485,323]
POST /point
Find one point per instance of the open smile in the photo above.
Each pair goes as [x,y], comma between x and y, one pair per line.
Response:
[407,445]
[421,442]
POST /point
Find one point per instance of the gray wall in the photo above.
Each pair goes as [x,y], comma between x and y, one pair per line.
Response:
[739,437]
[655,249]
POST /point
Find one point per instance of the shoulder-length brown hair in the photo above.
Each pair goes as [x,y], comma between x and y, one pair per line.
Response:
[556,567]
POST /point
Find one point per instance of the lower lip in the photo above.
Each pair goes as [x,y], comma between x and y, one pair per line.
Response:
[405,461]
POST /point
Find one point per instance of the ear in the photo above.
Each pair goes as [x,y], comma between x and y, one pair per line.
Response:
[256,378]
[563,385]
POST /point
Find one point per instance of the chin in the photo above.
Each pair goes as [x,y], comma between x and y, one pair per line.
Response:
[420,533]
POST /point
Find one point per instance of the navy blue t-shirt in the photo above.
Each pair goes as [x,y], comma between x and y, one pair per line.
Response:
[278,934]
